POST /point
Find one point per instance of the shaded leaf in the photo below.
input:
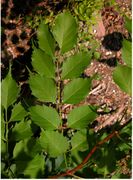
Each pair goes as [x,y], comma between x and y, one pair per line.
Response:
[75,65]
[53,142]
[45,117]
[80,117]
[18,113]
[43,88]
[46,41]
[34,167]
[42,63]
[22,130]
[65,31]
[79,141]
[127,52]
[76,90]
[9,90]
[123,77]
[28,147]
[3,149]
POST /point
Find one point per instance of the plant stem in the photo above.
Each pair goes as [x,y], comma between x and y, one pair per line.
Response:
[59,88]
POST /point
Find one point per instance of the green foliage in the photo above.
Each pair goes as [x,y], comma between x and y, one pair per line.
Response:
[76,90]
[45,117]
[46,41]
[65,31]
[21,131]
[18,113]
[9,90]
[88,11]
[127,52]
[53,143]
[44,65]
[75,65]
[39,143]
[123,77]
[79,141]
[80,117]
[43,88]
[128,24]
[123,73]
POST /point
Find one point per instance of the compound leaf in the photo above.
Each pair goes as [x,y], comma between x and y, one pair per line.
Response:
[18,113]
[9,90]
[45,117]
[22,130]
[76,90]
[46,41]
[43,88]
[53,142]
[65,31]
[75,65]
[127,52]
[80,117]
[79,141]
[42,63]
[123,77]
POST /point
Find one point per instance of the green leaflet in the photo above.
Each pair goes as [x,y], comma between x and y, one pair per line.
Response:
[53,142]
[29,166]
[127,52]
[123,77]
[76,90]
[22,130]
[28,147]
[9,90]
[42,63]
[18,113]
[43,88]
[80,117]
[75,65]
[45,117]
[35,166]
[46,41]
[79,141]
[128,24]
[65,31]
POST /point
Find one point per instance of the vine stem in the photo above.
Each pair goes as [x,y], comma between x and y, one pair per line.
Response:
[72,171]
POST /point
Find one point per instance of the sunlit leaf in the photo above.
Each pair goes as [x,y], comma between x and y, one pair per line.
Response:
[46,41]
[45,117]
[22,130]
[127,52]
[75,65]
[123,77]
[42,63]
[80,117]
[128,24]
[9,90]
[65,31]
[18,113]
[76,90]
[43,88]
[53,142]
